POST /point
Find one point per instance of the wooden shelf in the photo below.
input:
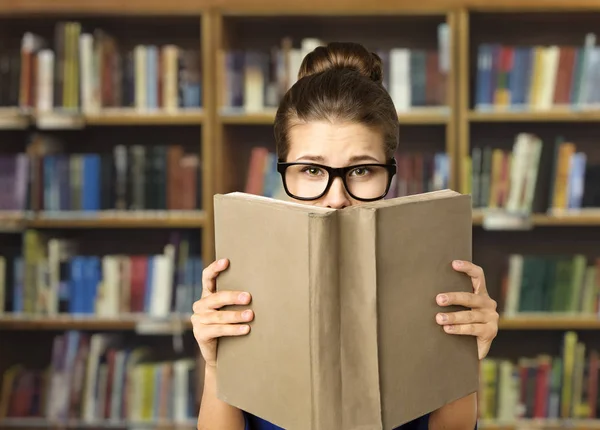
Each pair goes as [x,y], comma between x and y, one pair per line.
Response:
[425,116]
[549,322]
[580,218]
[67,322]
[104,7]
[253,118]
[529,5]
[142,219]
[335,7]
[132,117]
[552,115]
[541,424]
[13,119]
[41,423]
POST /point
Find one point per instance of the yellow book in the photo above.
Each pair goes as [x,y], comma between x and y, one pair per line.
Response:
[561,180]
[536,73]
[497,160]
[566,401]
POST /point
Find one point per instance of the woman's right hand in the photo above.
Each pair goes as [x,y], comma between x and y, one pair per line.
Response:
[209,322]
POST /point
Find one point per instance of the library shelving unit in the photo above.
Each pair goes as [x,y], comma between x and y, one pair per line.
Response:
[105,211]
[261,44]
[526,102]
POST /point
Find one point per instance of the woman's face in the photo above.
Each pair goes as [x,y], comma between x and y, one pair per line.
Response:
[336,145]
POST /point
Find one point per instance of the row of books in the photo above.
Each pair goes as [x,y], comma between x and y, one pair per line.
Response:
[420,172]
[132,177]
[533,177]
[538,77]
[86,69]
[94,378]
[543,387]
[256,80]
[53,276]
[551,283]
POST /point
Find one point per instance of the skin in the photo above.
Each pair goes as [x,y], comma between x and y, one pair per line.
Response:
[336,144]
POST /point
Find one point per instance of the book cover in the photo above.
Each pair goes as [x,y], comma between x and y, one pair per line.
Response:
[344,334]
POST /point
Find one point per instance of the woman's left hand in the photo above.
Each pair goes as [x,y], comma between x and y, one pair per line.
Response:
[481,320]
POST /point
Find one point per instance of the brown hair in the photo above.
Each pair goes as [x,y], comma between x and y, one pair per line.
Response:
[338,82]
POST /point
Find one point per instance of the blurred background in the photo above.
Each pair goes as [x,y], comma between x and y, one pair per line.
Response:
[120,120]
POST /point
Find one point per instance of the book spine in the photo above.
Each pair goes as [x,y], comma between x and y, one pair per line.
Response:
[358,303]
[324,323]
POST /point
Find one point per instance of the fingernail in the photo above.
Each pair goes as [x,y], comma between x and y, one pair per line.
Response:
[458,263]
[442,299]
[449,328]
[442,318]
[244,297]
[244,328]
[222,261]
[247,315]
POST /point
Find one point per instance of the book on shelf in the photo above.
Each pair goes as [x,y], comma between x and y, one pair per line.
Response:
[255,80]
[84,69]
[130,177]
[533,177]
[345,305]
[542,387]
[538,77]
[102,378]
[551,284]
[53,276]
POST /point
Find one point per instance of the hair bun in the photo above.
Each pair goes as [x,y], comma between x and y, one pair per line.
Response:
[342,55]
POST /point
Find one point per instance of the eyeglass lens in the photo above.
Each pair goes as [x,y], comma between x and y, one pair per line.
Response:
[309,181]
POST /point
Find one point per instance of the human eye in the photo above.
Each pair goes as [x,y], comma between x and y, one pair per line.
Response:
[312,170]
[360,171]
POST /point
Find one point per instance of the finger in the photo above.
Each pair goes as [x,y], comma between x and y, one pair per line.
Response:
[222,317]
[205,333]
[469,300]
[462,317]
[224,298]
[466,329]
[475,273]
[210,273]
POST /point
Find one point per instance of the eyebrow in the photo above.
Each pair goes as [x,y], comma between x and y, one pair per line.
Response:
[354,159]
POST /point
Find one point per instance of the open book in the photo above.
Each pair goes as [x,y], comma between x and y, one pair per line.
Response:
[344,335]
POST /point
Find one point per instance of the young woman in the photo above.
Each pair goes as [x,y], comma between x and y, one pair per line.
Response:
[338,115]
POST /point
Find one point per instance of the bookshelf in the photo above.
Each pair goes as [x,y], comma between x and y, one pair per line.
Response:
[247,36]
[224,134]
[111,108]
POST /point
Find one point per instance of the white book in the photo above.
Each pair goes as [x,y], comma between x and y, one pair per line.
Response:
[162,283]
[548,77]
[86,70]
[108,304]
[515,270]
[181,389]
[517,173]
[45,81]
[400,89]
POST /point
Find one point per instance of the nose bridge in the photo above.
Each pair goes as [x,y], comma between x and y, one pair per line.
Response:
[337,196]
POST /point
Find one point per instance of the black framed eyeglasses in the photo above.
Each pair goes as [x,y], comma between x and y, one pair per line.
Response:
[311,181]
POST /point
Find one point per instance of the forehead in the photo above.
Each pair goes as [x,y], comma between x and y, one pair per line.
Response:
[334,141]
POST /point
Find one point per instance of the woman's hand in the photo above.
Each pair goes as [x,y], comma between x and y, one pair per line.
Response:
[481,320]
[211,323]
